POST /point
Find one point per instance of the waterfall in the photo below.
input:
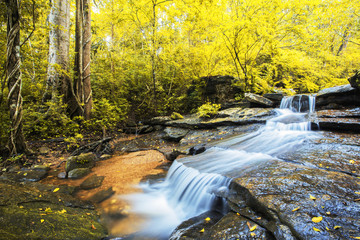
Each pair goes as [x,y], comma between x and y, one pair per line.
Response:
[193,184]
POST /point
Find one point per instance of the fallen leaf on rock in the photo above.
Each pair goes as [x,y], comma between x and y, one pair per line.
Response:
[317,219]
[202,230]
[336,227]
[253,228]
[295,209]
[352,161]
[316,229]
[207,219]
[93,227]
[356,200]
[56,189]
[312,197]
[42,220]
[328,213]
[357,192]
[355,237]
[327,229]
[62,211]
[252,234]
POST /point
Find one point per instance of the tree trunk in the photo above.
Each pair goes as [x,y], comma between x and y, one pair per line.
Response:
[58,81]
[82,83]
[16,139]
[86,60]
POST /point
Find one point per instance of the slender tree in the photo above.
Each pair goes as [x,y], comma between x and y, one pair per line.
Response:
[16,140]
[82,84]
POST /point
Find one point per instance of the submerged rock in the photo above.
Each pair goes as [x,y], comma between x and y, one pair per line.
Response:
[78,173]
[92,182]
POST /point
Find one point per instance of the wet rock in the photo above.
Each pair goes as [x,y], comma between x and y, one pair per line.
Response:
[29,213]
[341,95]
[30,175]
[171,156]
[191,229]
[175,134]
[233,226]
[78,173]
[41,167]
[62,175]
[92,182]
[339,120]
[355,80]
[275,97]
[102,195]
[85,160]
[239,116]
[258,101]
[285,189]
[162,120]
[197,149]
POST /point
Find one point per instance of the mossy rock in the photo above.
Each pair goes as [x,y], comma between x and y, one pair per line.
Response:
[78,173]
[85,160]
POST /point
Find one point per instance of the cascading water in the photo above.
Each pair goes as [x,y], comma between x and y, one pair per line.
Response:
[192,183]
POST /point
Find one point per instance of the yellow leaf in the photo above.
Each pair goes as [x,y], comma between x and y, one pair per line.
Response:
[355,237]
[21,206]
[62,211]
[336,227]
[40,195]
[312,197]
[253,228]
[25,174]
[93,227]
[253,234]
[202,230]
[238,214]
[327,228]
[42,220]
[316,219]
[295,209]
[316,229]
[207,219]
[328,213]
[352,161]
[320,165]
[48,210]
[56,189]
[357,192]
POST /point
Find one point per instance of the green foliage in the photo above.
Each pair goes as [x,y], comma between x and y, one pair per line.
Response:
[176,116]
[208,110]
[105,115]
[73,141]
[48,121]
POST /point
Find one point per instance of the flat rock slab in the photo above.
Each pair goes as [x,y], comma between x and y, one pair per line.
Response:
[296,194]
[27,175]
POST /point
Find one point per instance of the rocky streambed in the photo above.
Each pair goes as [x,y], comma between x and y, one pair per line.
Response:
[312,192]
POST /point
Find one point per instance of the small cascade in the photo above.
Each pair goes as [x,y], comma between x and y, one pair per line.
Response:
[193,184]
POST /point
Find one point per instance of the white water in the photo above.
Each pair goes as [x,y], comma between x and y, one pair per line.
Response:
[192,183]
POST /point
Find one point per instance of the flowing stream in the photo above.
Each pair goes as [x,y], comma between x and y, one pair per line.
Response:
[191,184]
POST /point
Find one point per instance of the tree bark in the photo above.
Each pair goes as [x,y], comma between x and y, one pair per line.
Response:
[58,80]
[16,139]
[82,83]
[87,60]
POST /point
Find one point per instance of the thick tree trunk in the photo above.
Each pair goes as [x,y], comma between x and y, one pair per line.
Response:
[58,81]
[16,140]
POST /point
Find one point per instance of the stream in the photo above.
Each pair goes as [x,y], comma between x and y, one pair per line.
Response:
[194,184]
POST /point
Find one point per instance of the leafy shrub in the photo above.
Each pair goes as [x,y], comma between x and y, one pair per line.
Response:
[208,110]
[176,116]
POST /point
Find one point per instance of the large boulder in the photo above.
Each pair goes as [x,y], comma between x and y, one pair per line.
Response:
[338,120]
[258,101]
[337,97]
[355,80]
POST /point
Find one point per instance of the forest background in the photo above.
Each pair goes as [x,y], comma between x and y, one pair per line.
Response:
[147,54]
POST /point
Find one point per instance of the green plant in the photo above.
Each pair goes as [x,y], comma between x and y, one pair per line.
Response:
[73,142]
[208,110]
[176,116]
